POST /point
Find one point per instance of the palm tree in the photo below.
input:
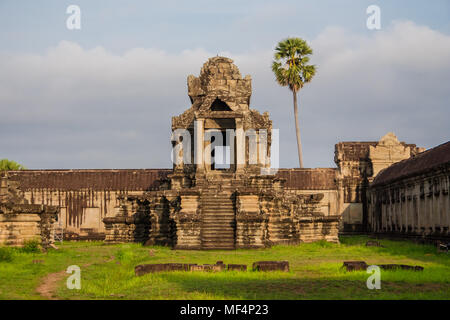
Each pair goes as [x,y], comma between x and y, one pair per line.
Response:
[291,69]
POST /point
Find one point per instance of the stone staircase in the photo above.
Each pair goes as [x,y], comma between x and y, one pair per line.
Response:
[218,219]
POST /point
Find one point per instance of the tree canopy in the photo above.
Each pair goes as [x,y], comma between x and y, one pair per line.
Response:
[6,165]
[291,63]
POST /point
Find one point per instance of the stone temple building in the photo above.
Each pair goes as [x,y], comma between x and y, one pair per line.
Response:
[241,205]
[202,203]
[411,197]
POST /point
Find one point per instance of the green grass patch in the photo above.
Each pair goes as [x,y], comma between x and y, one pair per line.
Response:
[107,272]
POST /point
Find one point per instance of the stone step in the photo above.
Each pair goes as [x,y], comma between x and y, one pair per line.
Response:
[218,242]
[211,244]
[217,208]
[216,236]
[218,213]
[218,203]
[228,215]
[218,222]
[216,230]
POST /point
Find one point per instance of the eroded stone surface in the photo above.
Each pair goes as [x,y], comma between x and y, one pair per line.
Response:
[361,265]
[244,206]
[271,266]
[355,265]
[411,198]
[20,221]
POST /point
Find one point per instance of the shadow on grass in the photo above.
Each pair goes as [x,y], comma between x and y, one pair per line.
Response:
[396,248]
[253,287]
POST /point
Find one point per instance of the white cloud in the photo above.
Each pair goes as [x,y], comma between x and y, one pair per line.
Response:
[71,102]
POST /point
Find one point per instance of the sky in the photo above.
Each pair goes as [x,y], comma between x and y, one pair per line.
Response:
[103,96]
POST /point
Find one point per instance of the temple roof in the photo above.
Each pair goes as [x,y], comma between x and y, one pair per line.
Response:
[145,179]
[421,163]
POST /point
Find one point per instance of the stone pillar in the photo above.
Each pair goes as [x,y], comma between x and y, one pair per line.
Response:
[447,203]
[447,207]
[178,155]
[3,188]
[240,145]
[418,204]
[407,206]
[199,137]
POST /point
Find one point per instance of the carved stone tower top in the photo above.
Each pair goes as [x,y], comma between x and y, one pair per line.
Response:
[220,85]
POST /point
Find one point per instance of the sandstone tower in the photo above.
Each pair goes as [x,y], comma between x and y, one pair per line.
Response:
[207,203]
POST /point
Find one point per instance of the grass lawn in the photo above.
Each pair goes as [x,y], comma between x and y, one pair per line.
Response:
[107,272]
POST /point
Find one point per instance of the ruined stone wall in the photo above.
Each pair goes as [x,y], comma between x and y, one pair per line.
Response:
[358,163]
[130,224]
[20,221]
[23,222]
[85,197]
[411,198]
[315,229]
[313,181]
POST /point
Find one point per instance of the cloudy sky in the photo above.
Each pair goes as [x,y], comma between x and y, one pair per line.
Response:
[103,96]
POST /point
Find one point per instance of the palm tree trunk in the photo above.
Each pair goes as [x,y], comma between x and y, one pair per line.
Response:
[297,129]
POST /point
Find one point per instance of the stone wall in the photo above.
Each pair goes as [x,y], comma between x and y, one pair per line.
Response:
[85,197]
[20,221]
[411,197]
[358,163]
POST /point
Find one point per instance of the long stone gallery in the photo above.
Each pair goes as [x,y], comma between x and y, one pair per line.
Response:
[385,187]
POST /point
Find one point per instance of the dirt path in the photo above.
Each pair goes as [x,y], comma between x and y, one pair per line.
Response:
[49,283]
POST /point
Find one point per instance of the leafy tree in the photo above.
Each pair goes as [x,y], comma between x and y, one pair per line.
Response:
[6,165]
[291,69]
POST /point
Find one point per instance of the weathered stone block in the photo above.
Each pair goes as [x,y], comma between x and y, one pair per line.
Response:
[355,265]
[237,267]
[271,266]
[400,266]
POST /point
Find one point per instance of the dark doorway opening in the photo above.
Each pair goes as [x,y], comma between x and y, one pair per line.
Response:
[219,105]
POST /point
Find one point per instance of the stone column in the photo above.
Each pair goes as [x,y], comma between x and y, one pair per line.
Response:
[447,207]
[3,188]
[240,145]
[178,155]
[199,137]
[447,204]
[407,209]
